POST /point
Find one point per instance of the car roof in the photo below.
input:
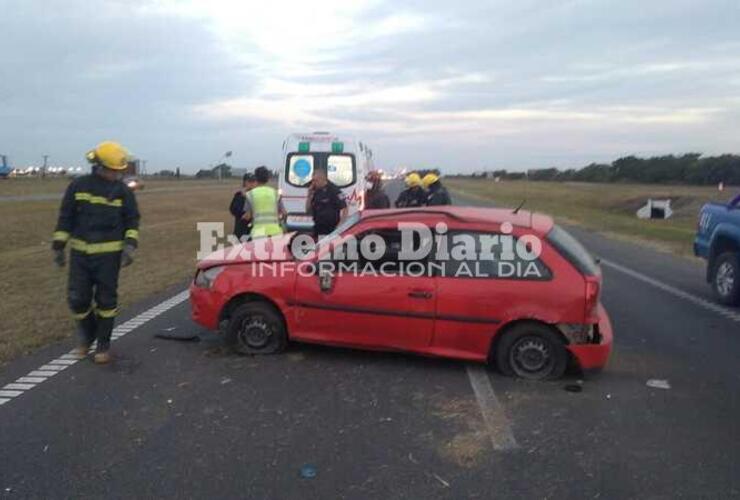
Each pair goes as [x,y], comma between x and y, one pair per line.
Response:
[537,222]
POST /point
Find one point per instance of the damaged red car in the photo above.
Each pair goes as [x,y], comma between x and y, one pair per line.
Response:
[511,289]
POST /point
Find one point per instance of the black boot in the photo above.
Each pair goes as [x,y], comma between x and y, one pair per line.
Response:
[86,332]
[104,331]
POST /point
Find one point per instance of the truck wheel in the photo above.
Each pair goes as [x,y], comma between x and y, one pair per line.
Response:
[256,328]
[726,278]
[531,351]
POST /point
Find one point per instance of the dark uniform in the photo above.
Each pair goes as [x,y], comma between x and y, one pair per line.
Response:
[412,197]
[326,207]
[241,227]
[98,217]
[438,195]
[377,199]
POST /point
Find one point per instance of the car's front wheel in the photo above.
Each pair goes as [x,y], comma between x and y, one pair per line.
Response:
[256,328]
[532,351]
[726,278]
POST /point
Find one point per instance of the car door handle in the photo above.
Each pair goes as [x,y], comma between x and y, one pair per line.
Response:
[420,294]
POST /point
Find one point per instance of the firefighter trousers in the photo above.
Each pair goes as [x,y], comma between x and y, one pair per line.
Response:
[92,293]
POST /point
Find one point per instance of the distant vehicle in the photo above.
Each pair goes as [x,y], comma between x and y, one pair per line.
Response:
[5,170]
[346,160]
[718,242]
[529,326]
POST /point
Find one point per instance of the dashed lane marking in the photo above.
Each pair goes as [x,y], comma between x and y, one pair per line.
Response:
[43,373]
[494,418]
[726,312]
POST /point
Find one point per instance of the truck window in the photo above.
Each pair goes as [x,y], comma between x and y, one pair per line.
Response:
[300,169]
[340,170]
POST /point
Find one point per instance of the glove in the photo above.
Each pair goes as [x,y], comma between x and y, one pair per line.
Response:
[127,256]
[60,258]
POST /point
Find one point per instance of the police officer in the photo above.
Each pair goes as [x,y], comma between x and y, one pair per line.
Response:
[326,203]
[263,207]
[241,226]
[375,197]
[414,194]
[436,193]
[100,221]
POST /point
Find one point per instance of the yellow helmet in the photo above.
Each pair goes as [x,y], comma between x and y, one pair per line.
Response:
[110,155]
[429,179]
[413,180]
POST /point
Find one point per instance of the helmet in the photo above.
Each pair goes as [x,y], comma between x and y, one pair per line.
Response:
[429,179]
[110,155]
[413,180]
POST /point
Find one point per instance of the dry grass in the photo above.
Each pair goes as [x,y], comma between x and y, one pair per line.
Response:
[609,208]
[33,311]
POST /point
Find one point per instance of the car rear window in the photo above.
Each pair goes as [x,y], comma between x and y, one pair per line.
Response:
[571,249]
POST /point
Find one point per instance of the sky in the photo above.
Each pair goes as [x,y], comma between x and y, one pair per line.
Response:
[458,85]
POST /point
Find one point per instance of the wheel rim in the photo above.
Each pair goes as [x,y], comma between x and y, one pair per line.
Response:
[725,279]
[255,333]
[531,356]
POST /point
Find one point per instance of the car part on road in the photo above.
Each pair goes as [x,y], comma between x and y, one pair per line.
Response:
[531,351]
[170,335]
[726,278]
[256,328]
[308,471]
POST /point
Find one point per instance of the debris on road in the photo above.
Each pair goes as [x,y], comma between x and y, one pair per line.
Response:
[658,383]
[573,388]
[308,471]
[225,381]
[444,483]
[167,334]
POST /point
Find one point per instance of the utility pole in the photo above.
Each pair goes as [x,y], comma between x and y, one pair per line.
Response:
[43,169]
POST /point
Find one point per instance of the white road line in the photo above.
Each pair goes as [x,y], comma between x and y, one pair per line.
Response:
[497,425]
[676,292]
[19,386]
[41,374]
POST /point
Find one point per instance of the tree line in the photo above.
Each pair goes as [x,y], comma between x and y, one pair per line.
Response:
[690,168]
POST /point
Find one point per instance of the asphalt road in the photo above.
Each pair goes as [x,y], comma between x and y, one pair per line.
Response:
[190,420]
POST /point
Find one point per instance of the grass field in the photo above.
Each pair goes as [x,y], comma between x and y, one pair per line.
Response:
[34,311]
[608,208]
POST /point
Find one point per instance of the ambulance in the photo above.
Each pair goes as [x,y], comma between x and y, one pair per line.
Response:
[346,161]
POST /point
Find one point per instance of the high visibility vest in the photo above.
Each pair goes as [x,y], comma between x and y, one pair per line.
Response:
[264,203]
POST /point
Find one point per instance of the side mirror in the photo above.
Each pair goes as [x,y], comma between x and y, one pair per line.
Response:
[326,279]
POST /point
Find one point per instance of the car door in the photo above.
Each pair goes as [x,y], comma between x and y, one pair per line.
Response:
[386,308]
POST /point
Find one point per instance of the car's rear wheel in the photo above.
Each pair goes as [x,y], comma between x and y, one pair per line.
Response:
[532,351]
[256,328]
[726,278]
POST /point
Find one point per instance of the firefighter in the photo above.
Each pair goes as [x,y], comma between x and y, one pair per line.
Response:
[375,196]
[326,203]
[436,193]
[242,227]
[263,207]
[100,221]
[414,194]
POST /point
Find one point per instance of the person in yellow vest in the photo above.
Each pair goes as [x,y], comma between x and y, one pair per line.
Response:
[263,207]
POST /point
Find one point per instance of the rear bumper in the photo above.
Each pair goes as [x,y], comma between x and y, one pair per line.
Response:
[204,307]
[593,357]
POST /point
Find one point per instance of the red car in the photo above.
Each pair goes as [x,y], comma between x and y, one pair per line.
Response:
[527,300]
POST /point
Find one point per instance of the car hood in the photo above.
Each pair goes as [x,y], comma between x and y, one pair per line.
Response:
[272,249]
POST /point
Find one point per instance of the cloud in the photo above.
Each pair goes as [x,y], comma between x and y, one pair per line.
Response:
[461,85]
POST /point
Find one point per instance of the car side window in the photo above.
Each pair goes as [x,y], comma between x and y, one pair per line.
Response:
[379,251]
[471,254]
